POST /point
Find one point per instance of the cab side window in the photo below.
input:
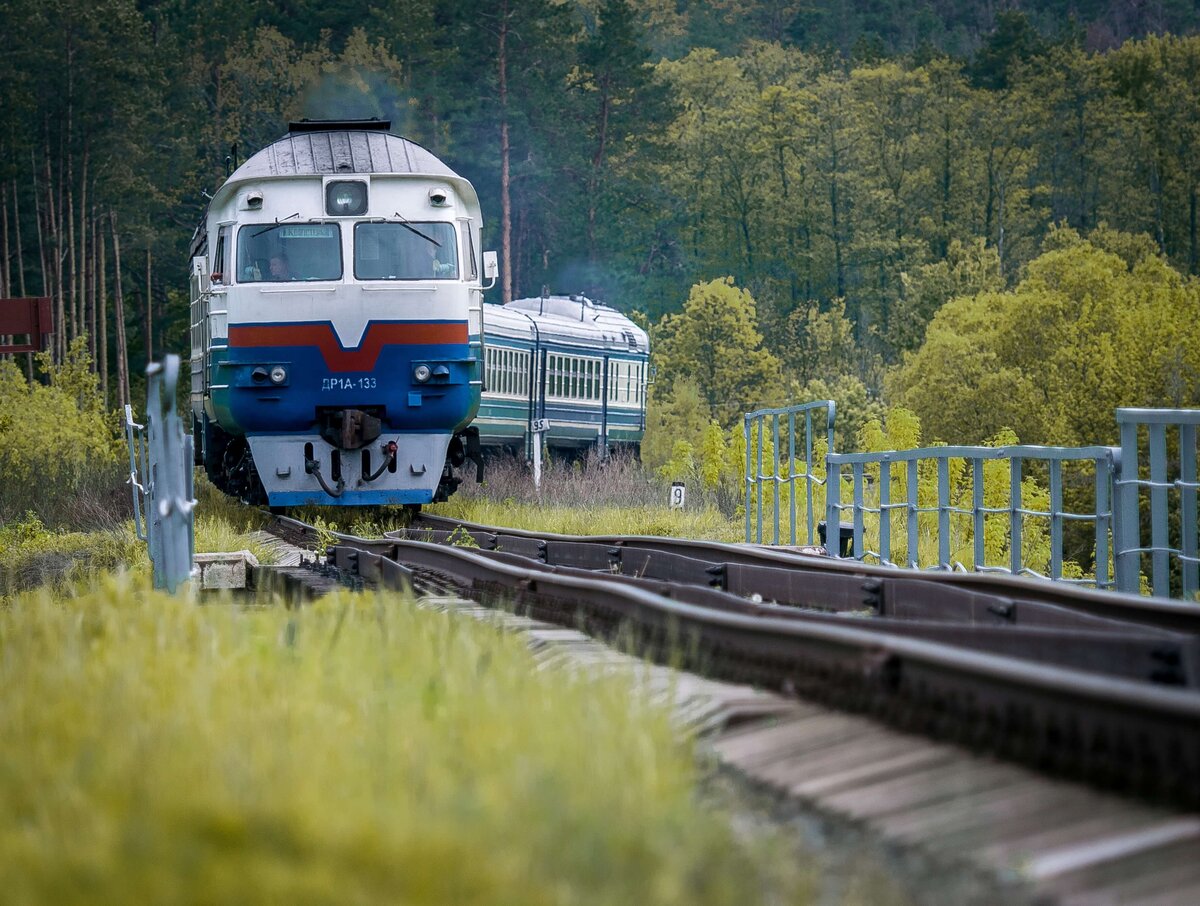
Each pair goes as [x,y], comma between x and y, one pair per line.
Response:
[220,271]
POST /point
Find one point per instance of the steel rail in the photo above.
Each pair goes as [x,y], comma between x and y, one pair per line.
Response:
[1114,732]
[1111,731]
[1148,657]
[816,581]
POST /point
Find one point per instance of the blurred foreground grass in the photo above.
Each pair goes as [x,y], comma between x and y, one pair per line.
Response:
[359,750]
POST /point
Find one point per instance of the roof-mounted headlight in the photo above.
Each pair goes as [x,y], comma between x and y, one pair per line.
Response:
[346,198]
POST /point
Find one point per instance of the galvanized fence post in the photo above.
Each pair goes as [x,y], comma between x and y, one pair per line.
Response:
[166,488]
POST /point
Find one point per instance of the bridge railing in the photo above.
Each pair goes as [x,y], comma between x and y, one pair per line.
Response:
[956,507]
[949,516]
[781,435]
[1159,501]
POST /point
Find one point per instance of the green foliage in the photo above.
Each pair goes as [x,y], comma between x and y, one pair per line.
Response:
[32,555]
[852,169]
[715,342]
[356,751]
[55,438]
[672,415]
[460,537]
[1083,333]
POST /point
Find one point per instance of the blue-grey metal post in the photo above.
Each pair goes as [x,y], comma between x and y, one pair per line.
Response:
[808,467]
[885,511]
[979,516]
[134,431]
[169,504]
[1104,521]
[1187,516]
[943,491]
[1015,515]
[758,475]
[775,471]
[859,504]
[1056,519]
[1126,531]
[833,512]
[1159,533]
[749,478]
[914,521]
[791,430]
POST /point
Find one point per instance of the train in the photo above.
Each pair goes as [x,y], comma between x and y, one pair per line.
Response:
[341,350]
[565,372]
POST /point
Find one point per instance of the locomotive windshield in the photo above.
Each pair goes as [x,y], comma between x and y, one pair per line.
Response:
[405,251]
[278,253]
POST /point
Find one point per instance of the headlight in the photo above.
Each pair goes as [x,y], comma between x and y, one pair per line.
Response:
[421,373]
[278,374]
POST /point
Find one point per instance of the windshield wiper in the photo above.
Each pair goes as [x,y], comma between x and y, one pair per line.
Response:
[412,229]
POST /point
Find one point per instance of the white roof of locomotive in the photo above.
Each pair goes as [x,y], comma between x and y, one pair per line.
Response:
[341,151]
[571,320]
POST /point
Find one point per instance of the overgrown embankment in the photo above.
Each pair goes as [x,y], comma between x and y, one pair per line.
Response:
[360,750]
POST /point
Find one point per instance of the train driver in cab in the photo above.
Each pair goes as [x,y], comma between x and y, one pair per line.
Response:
[280,270]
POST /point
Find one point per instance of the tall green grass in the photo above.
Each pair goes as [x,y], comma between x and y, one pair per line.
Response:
[585,497]
[357,751]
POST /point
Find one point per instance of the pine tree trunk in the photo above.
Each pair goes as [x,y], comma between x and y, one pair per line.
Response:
[505,178]
[55,275]
[5,262]
[37,219]
[149,309]
[102,339]
[93,289]
[122,362]
[83,259]
[20,250]
[72,262]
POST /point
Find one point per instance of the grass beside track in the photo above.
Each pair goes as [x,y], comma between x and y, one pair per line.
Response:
[704,524]
[358,750]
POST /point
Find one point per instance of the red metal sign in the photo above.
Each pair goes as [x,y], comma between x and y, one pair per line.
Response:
[25,317]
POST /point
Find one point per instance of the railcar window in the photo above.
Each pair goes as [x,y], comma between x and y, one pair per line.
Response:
[507,371]
[279,253]
[405,251]
[573,377]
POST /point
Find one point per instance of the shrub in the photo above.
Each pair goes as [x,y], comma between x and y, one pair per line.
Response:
[59,450]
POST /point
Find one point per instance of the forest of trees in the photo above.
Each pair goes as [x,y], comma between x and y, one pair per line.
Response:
[850,168]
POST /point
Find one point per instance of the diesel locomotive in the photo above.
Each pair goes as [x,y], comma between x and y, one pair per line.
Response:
[336,321]
[338,332]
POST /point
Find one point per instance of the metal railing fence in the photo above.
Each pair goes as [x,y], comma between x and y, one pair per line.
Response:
[1148,488]
[1170,489]
[960,489]
[784,435]
[160,453]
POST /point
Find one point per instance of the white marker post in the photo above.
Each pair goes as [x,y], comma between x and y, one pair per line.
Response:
[540,426]
[678,495]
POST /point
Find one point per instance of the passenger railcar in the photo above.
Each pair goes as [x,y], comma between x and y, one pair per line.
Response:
[336,303]
[573,366]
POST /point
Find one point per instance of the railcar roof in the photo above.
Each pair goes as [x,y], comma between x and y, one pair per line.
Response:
[558,319]
[341,151]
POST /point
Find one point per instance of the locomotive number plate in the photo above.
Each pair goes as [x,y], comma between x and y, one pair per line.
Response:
[337,383]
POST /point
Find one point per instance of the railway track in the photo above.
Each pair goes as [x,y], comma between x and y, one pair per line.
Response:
[1096,688]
